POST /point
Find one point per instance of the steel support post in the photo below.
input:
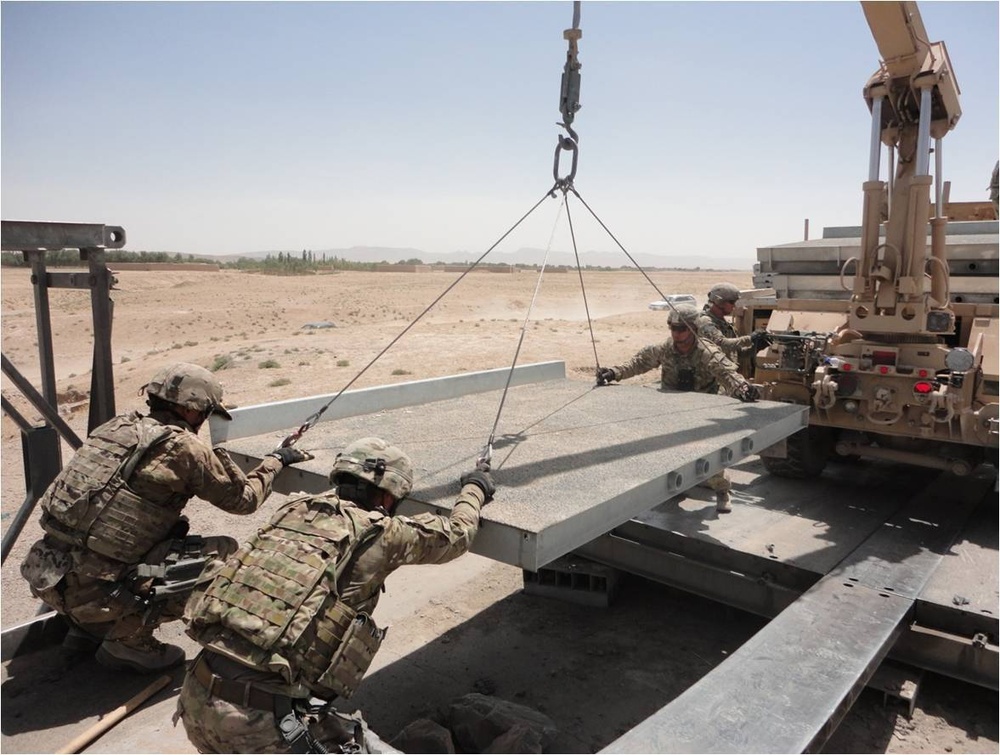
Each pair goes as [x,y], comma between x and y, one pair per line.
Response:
[102,381]
[40,448]
[43,325]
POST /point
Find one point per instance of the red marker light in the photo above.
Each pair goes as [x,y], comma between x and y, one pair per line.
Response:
[846,367]
[922,373]
[883,369]
[923,387]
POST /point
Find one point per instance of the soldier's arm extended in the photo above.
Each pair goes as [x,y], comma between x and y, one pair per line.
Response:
[645,360]
[708,330]
[187,465]
[723,369]
[433,539]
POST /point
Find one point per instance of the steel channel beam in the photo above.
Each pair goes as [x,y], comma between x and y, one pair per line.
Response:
[797,677]
[38,401]
[974,660]
[264,418]
[19,235]
[744,590]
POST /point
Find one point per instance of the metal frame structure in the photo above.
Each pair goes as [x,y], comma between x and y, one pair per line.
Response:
[40,445]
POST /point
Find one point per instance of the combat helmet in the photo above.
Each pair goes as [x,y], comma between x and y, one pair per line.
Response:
[683,313]
[372,459]
[723,292]
[190,386]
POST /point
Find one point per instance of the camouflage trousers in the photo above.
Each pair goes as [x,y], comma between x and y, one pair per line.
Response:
[717,482]
[215,725]
[89,601]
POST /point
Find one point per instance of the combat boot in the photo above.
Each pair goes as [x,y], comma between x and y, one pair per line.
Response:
[79,641]
[141,653]
[722,501]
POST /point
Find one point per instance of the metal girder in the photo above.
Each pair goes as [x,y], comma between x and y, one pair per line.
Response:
[22,235]
[798,676]
[571,461]
[264,418]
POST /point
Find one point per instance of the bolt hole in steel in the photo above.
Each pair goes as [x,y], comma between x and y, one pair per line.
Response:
[747,445]
[701,467]
[674,480]
[726,454]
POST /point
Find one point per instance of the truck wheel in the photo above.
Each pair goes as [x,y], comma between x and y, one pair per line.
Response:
[808,452]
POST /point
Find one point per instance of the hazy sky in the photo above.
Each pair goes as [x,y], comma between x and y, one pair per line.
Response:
[708,128]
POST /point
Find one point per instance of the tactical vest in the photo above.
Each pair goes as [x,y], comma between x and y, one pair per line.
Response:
[276,604]
[90,504]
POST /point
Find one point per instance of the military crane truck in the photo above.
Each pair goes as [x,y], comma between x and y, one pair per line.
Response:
[888,331]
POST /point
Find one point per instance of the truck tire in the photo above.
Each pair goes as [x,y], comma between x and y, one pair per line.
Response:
[808,452]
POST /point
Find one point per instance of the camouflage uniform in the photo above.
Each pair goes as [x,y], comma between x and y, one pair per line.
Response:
[253,645]
[91,580]
[704,369]
[720,331]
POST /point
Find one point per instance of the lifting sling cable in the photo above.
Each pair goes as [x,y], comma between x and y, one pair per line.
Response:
[569,104]
[583,289]
[314,418]
[639,267]
[483,462]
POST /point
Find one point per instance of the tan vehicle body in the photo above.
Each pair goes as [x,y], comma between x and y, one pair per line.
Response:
[889,331]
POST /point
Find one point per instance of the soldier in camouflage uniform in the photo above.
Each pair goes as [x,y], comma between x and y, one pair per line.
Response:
[713,325]
[689,364]
[113,524]
[289,618]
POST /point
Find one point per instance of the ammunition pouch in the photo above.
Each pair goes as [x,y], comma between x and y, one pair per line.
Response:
[357,639]
[685,379]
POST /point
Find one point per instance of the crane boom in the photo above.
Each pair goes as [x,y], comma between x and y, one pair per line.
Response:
[913,98]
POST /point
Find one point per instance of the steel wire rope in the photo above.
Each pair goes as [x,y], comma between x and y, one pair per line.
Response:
[486,456]
[313,418]
[583,289]
[694,331]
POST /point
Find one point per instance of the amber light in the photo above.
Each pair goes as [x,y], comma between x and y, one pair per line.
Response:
[923,387]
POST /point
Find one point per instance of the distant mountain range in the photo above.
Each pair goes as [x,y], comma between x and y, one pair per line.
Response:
[523,256]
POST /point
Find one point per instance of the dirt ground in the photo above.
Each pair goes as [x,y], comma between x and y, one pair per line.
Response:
[470,622]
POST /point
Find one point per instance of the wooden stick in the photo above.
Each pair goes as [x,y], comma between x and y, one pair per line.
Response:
[112,718]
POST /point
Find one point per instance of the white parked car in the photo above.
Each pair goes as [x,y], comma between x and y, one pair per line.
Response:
[674,299]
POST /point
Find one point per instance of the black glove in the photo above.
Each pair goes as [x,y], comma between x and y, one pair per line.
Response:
[747,392]
[605,375]
[290,455]
[760,339]
[482,480]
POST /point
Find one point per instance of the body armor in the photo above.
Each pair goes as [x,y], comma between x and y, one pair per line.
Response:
[90,504]
[276,604]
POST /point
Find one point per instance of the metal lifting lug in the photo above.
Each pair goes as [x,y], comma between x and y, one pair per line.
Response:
[565,143]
